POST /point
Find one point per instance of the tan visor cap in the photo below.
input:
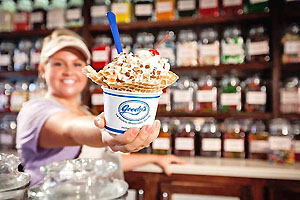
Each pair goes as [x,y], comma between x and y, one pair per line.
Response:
[64,41]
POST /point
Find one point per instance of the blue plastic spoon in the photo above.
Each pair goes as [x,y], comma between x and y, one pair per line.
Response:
[114,30]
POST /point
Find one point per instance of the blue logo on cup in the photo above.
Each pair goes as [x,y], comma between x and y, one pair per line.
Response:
[134,110]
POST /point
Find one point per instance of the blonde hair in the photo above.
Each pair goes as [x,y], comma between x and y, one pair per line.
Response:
[56,33]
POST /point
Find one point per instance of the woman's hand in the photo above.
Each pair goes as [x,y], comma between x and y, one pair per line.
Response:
[164,162]
[132,140]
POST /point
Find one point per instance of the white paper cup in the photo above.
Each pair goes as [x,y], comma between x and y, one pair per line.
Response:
[124,110]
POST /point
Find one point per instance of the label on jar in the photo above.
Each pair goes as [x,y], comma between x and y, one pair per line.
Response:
[36,17]
[166,52]
[120,8]
[100,56]
[259,48]
[97,99]
[211,144]
[143,9]
[182,96]
[56,18]
[165,99]
[20,17]
[234,145]
[16,100]
[232,2]
[187,53]
[258,146]
[289,97]
[256,98]
[232,49]
[297,146]
[184,143]
[209,50]
[258,1]
[35,57]
[98,11]
[230,99]
[5,60]
[162,7]
[280,143]
[205,4]
[291,47]
[161,143]
[73,14]
[206,95]
[20,58]
[6,139]
[184,5]
[3,100]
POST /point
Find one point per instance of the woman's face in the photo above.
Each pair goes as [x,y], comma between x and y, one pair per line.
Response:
[63,73]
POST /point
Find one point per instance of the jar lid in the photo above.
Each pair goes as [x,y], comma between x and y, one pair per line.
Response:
[43,4]
[187,35]
[8,45]
[231,32]
[232,125]
[24,5]
[126,39]
[280,126]
[58,4]
[78,3]
[11,178]
[103,40]
[258,126]
[210,126]
[209,33]
[9,6]
[292,82]
[207,80]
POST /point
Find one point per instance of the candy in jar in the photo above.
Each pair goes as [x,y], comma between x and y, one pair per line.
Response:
[38,15]
[19,96]
[209,48]
[35,54]
[122,10]
[162,144]
[280,142]
[99,10]
[74,16]
[289,96]
[186,8]
[165,9]
[211,142]
[5,92]
[258,6]
[185,140]
[97,100]
[295,129]
[255,94]
[101,52]
[22,16]
[206,94]
[209,8]
[8,7]
[56,14]
[6,55]
[291,43]
[232,7]
[21,55]
[143,9]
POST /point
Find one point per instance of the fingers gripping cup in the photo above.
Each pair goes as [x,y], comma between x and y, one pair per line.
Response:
[123,109]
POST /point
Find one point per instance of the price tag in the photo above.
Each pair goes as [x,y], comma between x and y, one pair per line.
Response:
[182,143]
[256,98]
[291,47]
[289,97]
[209,49]
[257,1]
[36,17]
[74,14]
[35,58]
[97,99]
[230,99]
[227,3]
[120,8]
[6,139]
[206,95]
[163,7]
[234,145]
[143,9]
[165,99]
[20,58]
[182,96]
[259,146]
[20,17]
[185,5]
[5,60]
[211,144]
[161,143]
[232,49]
[280,143]
[259,48]
[100,56]
[98,11]
[206,4]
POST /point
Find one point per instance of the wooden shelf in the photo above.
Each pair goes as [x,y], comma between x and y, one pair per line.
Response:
[225,68]
[290,116]
[2,114]
[182,22]
[291,66]
[219,115]
[14,74]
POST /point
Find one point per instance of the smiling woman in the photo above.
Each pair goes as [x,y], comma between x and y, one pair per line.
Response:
[54,128]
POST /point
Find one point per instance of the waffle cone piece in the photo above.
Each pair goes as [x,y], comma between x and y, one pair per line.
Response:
[149,83]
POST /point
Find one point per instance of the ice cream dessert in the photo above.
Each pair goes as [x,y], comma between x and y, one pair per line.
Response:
[144,72]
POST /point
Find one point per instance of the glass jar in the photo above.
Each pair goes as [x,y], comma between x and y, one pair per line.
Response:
[232,46]
[7,9]
[167,48]
[255,94]
[5,93]
[19,96]
[289,96]
[97,99]
[187,49]
[101,52]
[143,9]
[163,143]
[164,102]
[211,141]
[209,8]
[99,10]
[6,55]
[209,48]
[74,16]
[8,128]
[232,7]
[230,94]
[186,8]
[37,90]
[22,16]
[291,43]
[122,10]
[35,54]
[185,140]
[165,9]
[295,126]
[257,45]
[280,142]
[206,97]
[258,140]
[38,15]
[144,41]
[234,139]
[182,95]
[21,55]
[258,6]
[126,41]
[56,14]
